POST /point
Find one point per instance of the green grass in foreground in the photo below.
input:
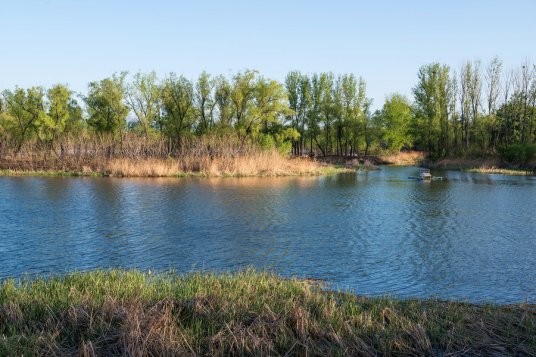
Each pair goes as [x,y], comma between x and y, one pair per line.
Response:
[247,313]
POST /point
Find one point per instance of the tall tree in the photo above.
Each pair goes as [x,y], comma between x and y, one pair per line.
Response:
[315,113]
[475,92]
[526,78]
[427,108]
[493,81]
[143,98]
[178,106]
[23,110]
[299,99]
[353,103]
[52,125]
[395,122]
[106,110]
[465,103]
[242,92]
[205,102]
[326,105]
[224,104]
[269,105]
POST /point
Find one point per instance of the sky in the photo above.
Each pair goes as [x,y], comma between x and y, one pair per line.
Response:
[44,42]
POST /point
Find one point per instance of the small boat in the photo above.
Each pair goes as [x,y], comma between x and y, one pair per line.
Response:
[424,174]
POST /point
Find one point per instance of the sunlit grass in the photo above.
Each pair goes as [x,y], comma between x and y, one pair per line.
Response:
[484,166]
[495,170]
[260,163]
[247,313]
[50,173]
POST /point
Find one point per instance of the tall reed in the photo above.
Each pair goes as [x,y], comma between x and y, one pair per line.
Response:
[152,156]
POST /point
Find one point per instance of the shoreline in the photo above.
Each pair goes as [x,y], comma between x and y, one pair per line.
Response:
[114,312]
[484,166]
[328,171]
[262,165]
[272,166]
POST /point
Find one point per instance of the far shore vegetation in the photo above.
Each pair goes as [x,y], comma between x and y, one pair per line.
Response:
[134,313]
[246,124]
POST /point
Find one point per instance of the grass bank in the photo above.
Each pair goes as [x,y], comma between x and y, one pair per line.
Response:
[484,165]
[261,163]
[403,158]
[246,313]
[497,170]
[372,161]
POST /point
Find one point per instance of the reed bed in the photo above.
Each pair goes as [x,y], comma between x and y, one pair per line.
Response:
[269,163]
[133,313]
[497,170]
[485,166]
[403,158]
[135,156]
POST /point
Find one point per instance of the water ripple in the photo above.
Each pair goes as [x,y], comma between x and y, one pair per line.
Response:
[468,237]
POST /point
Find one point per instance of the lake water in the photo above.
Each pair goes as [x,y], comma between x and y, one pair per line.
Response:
[470,237]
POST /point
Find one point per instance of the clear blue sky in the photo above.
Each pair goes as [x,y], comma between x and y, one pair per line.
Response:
[74,42]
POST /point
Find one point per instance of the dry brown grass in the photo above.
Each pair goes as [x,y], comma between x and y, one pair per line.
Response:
[465,164]
[404,158]
[135,157]
[142,168]
[261,163]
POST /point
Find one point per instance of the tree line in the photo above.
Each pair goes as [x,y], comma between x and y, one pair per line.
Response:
[475,109]
[453,112]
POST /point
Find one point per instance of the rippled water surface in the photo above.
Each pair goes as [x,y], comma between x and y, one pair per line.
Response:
[469,237]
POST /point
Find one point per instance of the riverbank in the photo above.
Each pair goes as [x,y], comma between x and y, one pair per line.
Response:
[246,313]
[483,165]
[373,161]
[490,165]
[262,163]
[487,165]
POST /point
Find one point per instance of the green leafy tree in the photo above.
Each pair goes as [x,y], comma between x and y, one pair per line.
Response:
[242,92]
[75,124]
[224,103]
[395,122]
[353,92]
[315,113]
[433,95]
[205,102]
[269,105]
[298,90]
[23,111]
[143,98]
[178,108]
[53,124]
[326,107]
[105,106]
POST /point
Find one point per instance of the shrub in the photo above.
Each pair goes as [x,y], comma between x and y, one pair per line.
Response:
[518,153]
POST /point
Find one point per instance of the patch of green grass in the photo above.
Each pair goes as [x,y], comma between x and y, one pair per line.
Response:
[512,172]
[120,312]
[49,173]
[322,171]
[330,170]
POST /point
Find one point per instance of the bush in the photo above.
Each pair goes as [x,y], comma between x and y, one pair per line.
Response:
[267,142]
[518,153]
